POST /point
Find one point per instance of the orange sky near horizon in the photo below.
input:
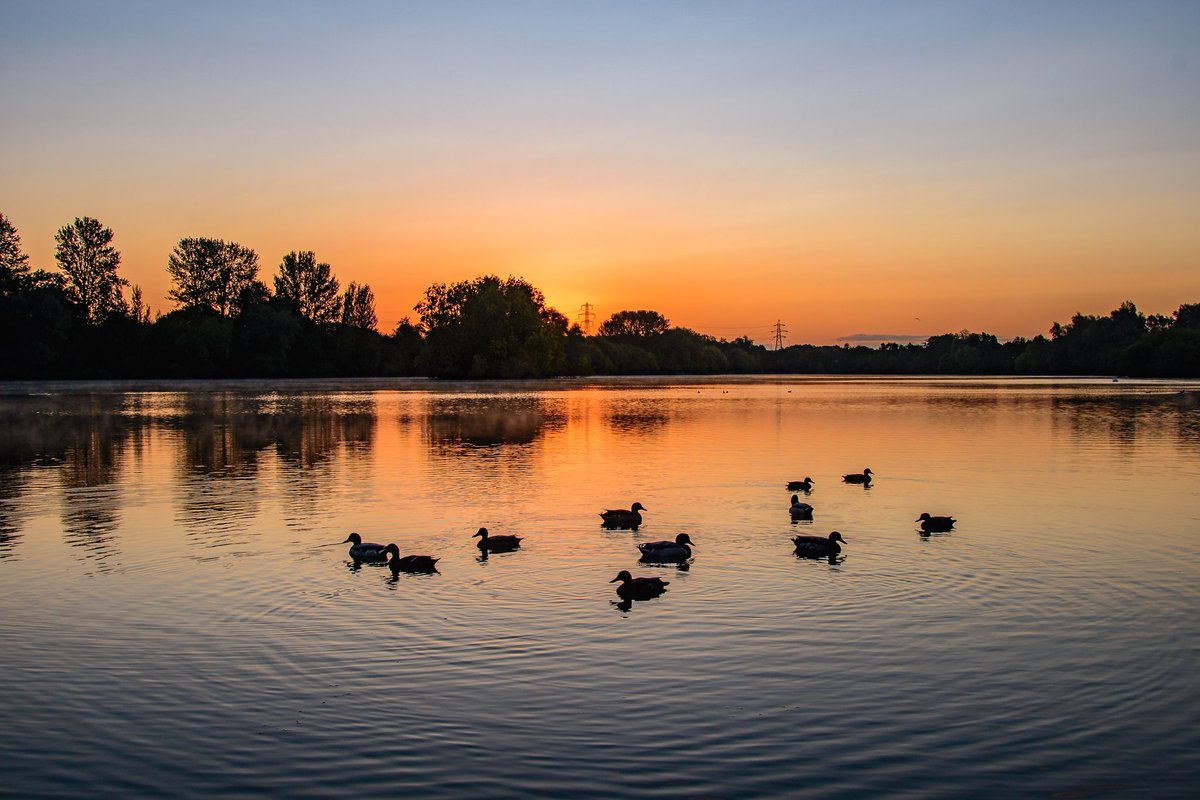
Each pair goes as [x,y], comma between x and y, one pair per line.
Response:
[926,170]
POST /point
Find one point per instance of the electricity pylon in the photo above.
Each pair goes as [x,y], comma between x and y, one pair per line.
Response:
[780,332]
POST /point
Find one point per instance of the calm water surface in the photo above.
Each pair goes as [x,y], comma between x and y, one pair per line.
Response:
[178,617]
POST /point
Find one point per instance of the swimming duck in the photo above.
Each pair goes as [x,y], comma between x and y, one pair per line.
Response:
[935,524]
[800,486]
[496,544]
[365,551]
[632,588]
[667,551]
[620,518]
[800,510]
[399,563]
[858,477]
[818,546]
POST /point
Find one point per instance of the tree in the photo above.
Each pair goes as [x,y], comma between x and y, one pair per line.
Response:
[310,286]
[358,307]
[86,256]
[634,323]
[211,274]
[139,312]
[14,264]
[489,328]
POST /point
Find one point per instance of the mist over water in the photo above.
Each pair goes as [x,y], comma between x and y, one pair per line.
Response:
[180,618]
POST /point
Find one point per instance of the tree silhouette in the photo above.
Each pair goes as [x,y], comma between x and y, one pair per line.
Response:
[211,274]
[14,264]
[358,307]
[310,285]
[490,327]
[634,323]
[86,256]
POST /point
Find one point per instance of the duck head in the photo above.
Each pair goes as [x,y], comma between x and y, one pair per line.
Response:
[683,538]
[482,533]
[837,537]
[623,576]
[354,537]
[393,550]
[924,515]
[637,507]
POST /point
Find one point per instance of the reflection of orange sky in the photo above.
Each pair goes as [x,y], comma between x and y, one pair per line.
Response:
[903,255]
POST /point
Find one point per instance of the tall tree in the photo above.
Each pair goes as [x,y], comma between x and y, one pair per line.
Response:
[310,285]
[14,264]
[490,327]
[634,323]
[86,256]
[358,307]
[211,273]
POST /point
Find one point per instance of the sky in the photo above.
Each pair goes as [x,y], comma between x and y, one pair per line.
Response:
[855,170]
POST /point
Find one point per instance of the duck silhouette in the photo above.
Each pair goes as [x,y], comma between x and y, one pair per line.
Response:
[667,550]
[632,588]
[398,563]
[496,544]
[930,524]
[365,551]
[800,511]
[622,518]
[818,546]
[863,477]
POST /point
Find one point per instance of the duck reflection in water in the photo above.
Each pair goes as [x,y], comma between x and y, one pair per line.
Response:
[621,518]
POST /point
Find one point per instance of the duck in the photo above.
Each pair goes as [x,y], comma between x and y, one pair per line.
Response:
[632,588]
[398,563]
[365,551]
[863,477]
[496,544]
[818,546]
[800,510]
[620,518]
[800,486]
[935,524]
[667,551]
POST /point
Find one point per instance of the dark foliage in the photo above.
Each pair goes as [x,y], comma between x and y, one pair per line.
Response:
[488,327]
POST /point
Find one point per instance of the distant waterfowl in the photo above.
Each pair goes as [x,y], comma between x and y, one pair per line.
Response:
[667,551]
[800,486]
[818,546]
[365,551]
[863,477]
[632,588]
[621,518]
[800,510]
[496,544]
[935,524]
[398,563]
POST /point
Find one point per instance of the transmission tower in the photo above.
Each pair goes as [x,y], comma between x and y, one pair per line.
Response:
[779,332]
[585,317]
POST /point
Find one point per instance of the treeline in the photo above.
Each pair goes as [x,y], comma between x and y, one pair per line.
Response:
[85,321]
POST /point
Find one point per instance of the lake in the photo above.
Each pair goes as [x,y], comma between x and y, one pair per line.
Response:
[179,616]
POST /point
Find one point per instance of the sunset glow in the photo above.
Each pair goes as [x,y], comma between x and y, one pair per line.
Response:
[901,169]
